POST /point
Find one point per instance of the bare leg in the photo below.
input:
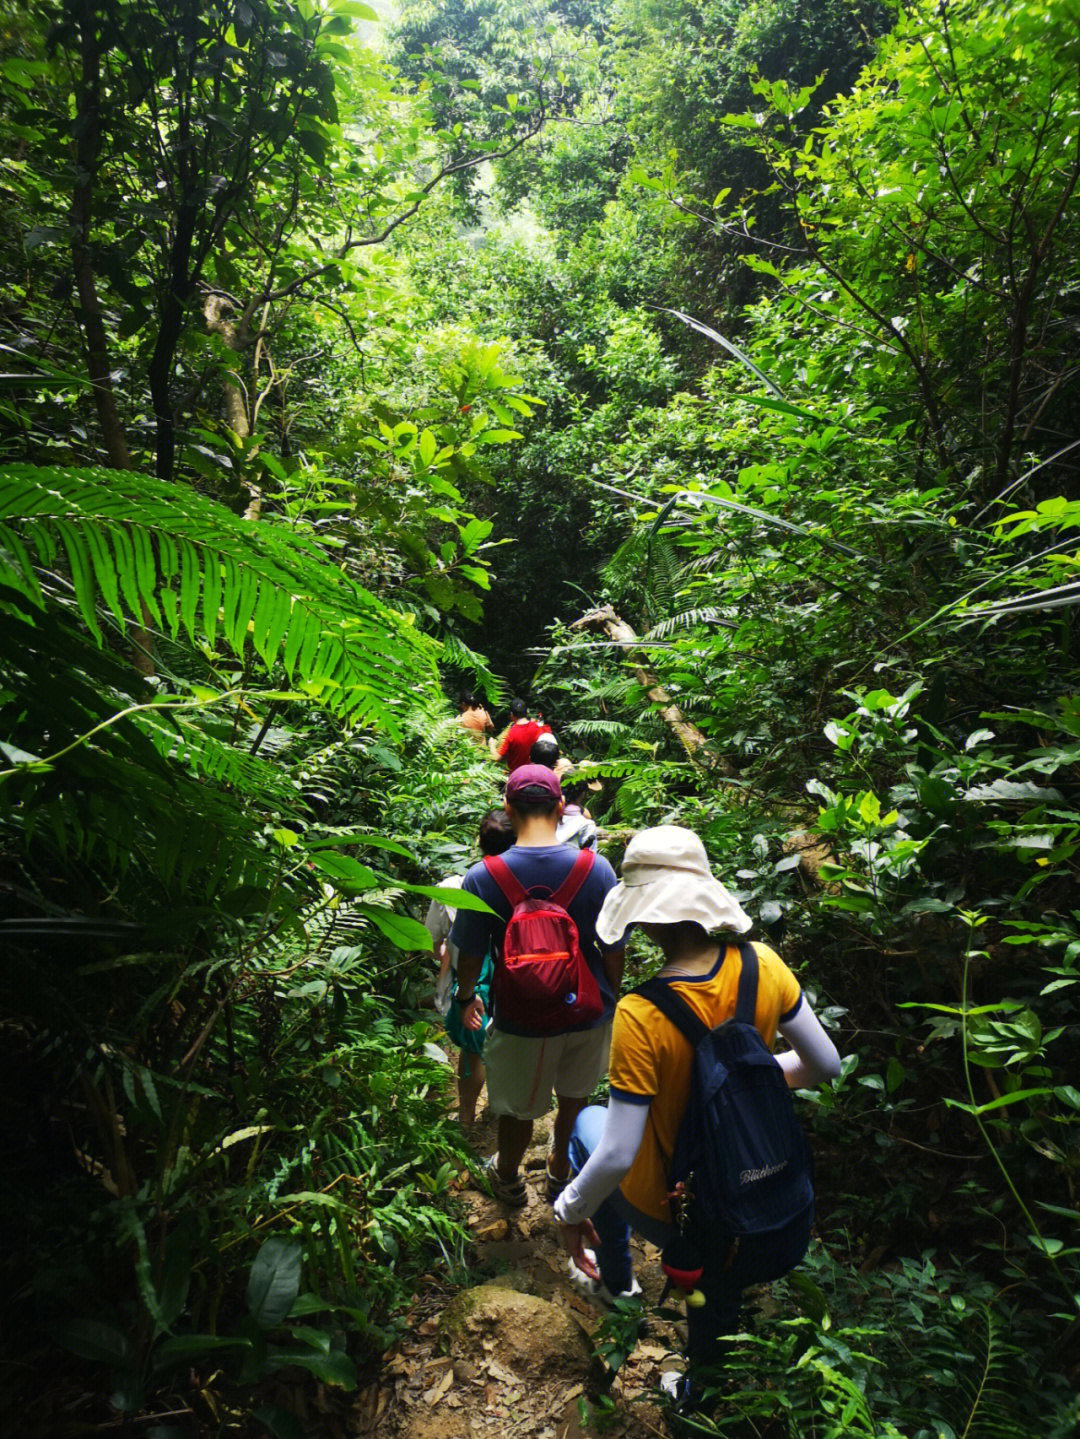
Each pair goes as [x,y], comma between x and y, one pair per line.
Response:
[567,1112]
[470,1082]
[515,1136]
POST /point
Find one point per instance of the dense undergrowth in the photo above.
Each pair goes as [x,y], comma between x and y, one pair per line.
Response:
[441,342]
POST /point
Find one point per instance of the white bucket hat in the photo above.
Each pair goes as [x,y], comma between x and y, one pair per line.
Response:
[666,879]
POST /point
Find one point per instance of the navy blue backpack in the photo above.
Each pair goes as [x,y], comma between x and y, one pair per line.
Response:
[740,1153]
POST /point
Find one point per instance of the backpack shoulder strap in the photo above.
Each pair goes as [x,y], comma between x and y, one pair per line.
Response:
[746,1003]
[672,1007]
[579,872]
[512,889]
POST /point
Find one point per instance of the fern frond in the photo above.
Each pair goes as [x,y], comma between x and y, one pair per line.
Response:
[987,1385]
[649,564]
[140,548]
[616,689]
[629,768]
[661,575]
[458,655]
[596,729]
[1065,1421]
[627,560]
[178,737]
[687,620]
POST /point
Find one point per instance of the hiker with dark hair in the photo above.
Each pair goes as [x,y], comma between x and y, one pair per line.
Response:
[519,736]
[496,835]
[473,718]
[622,1154]
[555,1037]
[545,751]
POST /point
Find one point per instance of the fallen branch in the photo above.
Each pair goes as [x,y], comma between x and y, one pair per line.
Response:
[689,736]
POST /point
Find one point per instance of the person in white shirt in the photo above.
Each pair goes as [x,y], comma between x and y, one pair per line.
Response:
[496,836]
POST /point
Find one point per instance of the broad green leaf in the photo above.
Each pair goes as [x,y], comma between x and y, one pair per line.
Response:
[334,1368]
[185,1347]
[1000,1102]
[343,870]
[399,929]
[93,1339]
[274,1281]
[454,898]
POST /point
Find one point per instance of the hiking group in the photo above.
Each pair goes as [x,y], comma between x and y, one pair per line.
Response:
[697,1149]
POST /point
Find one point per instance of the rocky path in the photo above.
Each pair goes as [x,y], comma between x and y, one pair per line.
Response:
[515,1355]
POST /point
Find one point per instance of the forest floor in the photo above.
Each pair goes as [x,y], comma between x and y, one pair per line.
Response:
[434,1385]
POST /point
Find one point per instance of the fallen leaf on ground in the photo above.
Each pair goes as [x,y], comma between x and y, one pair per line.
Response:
[651,1351]
[436,1392]
[493,1232]
[496,1370]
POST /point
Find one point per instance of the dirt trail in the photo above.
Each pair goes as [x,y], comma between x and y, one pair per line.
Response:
[422,1393]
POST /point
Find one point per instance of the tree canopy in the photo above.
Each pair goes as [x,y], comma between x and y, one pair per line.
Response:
[692,367]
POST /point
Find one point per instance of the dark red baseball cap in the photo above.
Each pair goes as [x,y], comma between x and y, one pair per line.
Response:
[533,781]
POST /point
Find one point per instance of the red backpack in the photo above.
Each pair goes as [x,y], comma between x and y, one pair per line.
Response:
[543,984]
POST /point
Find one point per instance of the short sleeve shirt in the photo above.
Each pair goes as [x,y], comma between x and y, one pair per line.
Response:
[651,1060]
[476,719]
[440,918]
[542,868]
[519,740]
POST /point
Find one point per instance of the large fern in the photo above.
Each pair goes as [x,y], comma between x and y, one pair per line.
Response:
[141,548]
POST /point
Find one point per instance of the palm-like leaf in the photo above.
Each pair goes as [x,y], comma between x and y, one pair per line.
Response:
[710,615]
[141,547]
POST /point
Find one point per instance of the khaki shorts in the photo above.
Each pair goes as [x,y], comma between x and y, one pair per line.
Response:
[523,1072]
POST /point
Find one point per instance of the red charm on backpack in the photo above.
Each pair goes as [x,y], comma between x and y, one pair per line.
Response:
[543,984]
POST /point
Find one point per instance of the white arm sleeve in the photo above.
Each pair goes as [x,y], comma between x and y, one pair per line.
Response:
[624,1130]
[812,1057]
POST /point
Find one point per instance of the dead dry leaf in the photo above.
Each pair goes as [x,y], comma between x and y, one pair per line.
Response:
[437,1391]
[497,1371]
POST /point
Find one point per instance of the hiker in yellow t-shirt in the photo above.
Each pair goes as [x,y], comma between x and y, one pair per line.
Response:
[619,1152]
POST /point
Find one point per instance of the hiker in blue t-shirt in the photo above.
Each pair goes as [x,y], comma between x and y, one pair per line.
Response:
[522,1069]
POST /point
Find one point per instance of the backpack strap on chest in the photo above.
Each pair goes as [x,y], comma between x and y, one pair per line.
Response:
[579,873]
[746,1003]
[515,892]
[659,993]
[673,1007]
[507,881]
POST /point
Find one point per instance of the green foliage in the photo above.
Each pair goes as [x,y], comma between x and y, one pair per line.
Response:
[918,1351]
[191,566]
[215,1165]
[840,517]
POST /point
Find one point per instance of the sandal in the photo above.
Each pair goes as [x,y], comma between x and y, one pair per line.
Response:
[507,1191]
[553,1187]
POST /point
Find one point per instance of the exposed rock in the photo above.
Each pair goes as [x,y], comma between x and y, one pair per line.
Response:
[534,1337]
[813,852]
[499,1229]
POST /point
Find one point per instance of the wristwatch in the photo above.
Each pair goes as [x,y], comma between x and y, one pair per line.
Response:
[464,999]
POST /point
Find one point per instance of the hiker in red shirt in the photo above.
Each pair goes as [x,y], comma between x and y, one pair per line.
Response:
[520,736]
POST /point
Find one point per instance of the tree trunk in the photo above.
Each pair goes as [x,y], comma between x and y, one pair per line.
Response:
[88,130]
[688,735]
[218,313]
[99,370]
